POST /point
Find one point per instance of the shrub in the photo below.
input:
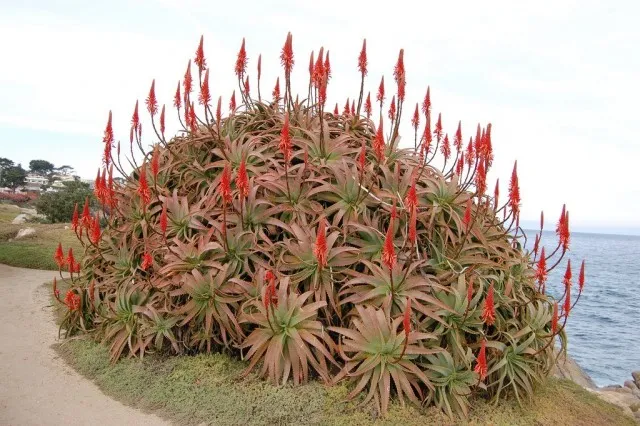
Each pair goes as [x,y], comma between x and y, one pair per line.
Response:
[58,206]
[309,243]
[18,197]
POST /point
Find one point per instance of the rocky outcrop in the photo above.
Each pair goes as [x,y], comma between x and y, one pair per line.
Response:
[568,368]
[25,233]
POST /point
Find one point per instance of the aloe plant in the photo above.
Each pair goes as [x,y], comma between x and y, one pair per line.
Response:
[312,244]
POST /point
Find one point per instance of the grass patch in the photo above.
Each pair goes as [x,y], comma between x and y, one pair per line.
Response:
[36,252]
[8,212]
[207,389]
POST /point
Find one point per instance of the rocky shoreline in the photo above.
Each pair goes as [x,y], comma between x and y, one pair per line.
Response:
[626,396]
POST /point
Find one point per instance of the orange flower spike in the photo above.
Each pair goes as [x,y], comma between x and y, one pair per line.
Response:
[488,312]
[177,99]
[327,66]
[200,60]
[481,178]
[415,120]
[411,200]
[242,180]
[426,104]
[71,260]
[392,109]
[399,75]
[286,57]
[413,225]
[514,191]
[75,220]
[188,81]
[86,215]
[320,250]
[467,215]
[276,91]
[135,117]
[481,361]
[224,188]
[241,61]
[567,275]
[567,301]
[445,148]
[438,130]
[389,257]
[362,59]
[406,320]
[470,153]
[367,105]
[378,144]
[581,277]
[143,186]
[232,102]
[541,270]
[380,96]
[152,101]
[205,95]
[147,261]
[59,256]
[457,140]
[285,140]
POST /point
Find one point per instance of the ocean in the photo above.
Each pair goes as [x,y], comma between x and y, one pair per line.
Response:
[604,327]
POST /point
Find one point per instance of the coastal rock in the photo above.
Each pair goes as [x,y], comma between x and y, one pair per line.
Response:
[568,368]
[623,400]
[616,389]
[24,233]
[636,377]
[20,219]
[630,384]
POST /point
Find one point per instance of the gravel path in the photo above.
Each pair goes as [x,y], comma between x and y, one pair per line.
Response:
[36,386]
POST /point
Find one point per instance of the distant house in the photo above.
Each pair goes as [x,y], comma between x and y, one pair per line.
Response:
[34,182]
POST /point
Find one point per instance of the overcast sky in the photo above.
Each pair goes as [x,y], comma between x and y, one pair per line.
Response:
[558,80]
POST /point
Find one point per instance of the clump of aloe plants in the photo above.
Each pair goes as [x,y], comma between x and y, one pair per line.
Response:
[308,243]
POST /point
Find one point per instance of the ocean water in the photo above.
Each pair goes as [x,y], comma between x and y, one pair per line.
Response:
[604,327]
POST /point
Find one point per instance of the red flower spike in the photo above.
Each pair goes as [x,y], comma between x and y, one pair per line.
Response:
[188,81]
[411,200]
[567,275]
[457,140]
[200,61]
[75,219]
[567,301]
[286,57]
[380,96]
[581,277]
[460,165]
[536,243]
[224,188]
[554,319]
[143,186]
[219,111]
[389,257]
[481,178]
[399,75]
[362,59]
[152,101]
[59,256]
[467,215]
[247,89]
[276,91]
[241,61]
[147,261]
[394,211]
[320,250]
[367,105]
[322,93]
[163,220]
[541,270]
[336,110]
[445,148]
[327,66]
[135,118]
[162,121]
[415,121]
[205,94]
[478,143]
[259,66]
[514,191]
[177,99]
[353,108]
[72,300]
[563,230]
[232,102]
[378,144]
[481,361]
[392,109]
[71,260]
[86,215]
[155,161]
[541,219]
[426,136]
[438,130]
[413,225]
[426,104]
[346,111]
[406,320]
[496,194]
[193,123]
[470,153]
[270,296]
[318,69]
[76,268]
[108,132]
[95,231]
[488,312]
[104,188]
[285,139]
[362,157]
[97,187]
[242,180]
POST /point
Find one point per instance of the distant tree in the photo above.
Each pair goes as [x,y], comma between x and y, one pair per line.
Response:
[58,206]
[64,170]
[13,176]
[41,167]
[5,162]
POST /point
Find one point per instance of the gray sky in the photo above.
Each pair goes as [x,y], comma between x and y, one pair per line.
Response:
[558,80]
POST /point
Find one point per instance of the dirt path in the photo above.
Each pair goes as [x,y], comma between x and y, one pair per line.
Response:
[36,387]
